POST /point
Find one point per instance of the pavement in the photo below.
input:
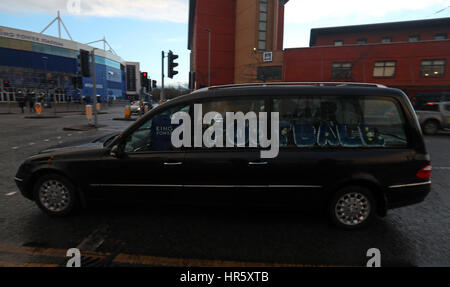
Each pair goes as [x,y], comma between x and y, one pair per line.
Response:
[146,234]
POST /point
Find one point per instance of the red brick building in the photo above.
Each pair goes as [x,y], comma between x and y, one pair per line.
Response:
[412,55]
[240,32]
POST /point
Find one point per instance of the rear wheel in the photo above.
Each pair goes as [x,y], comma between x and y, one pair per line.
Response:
[431,127]
[55,195]
[352,207]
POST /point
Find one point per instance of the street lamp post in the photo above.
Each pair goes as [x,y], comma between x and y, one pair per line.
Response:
[209,56]
[161,95]
[46,79]
[94,87]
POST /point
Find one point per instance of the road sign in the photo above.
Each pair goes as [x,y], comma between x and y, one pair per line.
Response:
[267,56]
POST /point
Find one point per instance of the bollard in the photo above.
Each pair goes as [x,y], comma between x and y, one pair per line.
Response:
[38,108]
[88,111]
[98,106]
[127,111]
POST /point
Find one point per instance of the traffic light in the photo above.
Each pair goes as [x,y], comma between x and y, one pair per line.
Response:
[83,59]
[6,84]
[171,72]
[144,80]
[154,84]
[77,82]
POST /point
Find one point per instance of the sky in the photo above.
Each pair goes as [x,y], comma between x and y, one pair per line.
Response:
[138,30]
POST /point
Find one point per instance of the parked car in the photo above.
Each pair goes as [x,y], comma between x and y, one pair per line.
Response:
[136,107]
[350,151]
[434,116]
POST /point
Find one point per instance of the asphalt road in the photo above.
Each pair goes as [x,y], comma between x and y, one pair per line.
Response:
[167,235]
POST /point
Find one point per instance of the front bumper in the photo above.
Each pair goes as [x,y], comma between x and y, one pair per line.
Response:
[407,194]
[23,180]
[23,187]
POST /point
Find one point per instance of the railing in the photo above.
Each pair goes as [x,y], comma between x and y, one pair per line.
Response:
[321,84]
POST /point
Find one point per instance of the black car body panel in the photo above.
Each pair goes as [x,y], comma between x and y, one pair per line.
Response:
[305,177]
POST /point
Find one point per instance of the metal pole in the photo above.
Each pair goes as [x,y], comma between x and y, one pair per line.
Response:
[209,57]
[46,80]
[9,102]
[94,87]
[59,26]
[162,78]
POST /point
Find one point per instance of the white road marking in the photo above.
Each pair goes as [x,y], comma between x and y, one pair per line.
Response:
[69,135]
[60,142]
[15,147]
[58,138]
[31,143]
[11,193]
[441,167]
[46,140]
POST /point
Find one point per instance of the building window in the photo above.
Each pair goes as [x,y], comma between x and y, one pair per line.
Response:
[414,38]
[262,25]
[441,36]
[386,40]
[341,71]
[432,68]
[269,73]
[361,41]
[339,43]
[384,69]
[131,78]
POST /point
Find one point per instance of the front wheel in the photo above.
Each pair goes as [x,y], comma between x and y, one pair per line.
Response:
[352,207]
[55,195]
[430,127]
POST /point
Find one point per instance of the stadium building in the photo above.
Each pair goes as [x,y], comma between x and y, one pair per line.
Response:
[34,63]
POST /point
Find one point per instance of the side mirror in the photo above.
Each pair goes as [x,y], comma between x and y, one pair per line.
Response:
[116,152]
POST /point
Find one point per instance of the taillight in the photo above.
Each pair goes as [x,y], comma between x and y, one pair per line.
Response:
[424,173]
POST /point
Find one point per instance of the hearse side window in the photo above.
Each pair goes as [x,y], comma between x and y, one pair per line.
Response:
[155,134]
[314,121]
[221,107]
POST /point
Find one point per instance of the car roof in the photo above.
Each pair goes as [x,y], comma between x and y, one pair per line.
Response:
[288,89]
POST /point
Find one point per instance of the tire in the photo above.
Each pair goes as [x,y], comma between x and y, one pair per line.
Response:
[430,127]
[352,207]
[55,195]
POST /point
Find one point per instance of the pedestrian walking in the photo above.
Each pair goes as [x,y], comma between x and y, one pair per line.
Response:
[31,102]
[22,104]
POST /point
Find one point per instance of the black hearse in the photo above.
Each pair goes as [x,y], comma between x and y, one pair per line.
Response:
[351,150]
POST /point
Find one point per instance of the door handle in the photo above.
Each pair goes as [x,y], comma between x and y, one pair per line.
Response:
[257,163]
[173,163]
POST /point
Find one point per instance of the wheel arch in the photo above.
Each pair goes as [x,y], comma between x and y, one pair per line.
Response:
[364,181]
[44,171]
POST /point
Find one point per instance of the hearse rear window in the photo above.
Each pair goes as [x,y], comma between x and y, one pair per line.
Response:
[314,121]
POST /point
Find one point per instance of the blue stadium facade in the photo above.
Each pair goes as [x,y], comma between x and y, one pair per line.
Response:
[34,63]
